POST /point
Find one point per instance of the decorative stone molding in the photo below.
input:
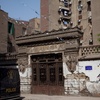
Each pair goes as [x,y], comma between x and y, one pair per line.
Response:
[71,61]
[47,48]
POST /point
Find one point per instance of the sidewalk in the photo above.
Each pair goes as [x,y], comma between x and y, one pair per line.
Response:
[48,97]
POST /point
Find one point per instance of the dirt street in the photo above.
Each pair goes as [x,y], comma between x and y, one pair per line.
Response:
[50,97]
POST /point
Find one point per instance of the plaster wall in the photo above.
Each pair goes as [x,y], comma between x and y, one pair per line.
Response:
[84,81]
[94,72]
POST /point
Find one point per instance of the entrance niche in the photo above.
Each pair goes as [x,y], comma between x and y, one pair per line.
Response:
[47,74]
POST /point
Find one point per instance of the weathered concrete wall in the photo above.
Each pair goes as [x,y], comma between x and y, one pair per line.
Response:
[94,72]
[25,74]
[93,84]
[26,81]
[84,81]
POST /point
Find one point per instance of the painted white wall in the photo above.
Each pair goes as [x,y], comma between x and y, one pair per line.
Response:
[91,73]
[93,85]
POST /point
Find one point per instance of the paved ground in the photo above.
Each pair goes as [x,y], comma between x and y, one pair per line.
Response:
[48,97]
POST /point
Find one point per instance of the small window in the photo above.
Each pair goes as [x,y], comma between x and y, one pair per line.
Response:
[66,22]
[80,17]
[66,4]
[11,29]
[65,13]
[89,6]
[80,6]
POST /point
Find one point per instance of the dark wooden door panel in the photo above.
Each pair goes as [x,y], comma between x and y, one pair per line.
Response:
[47,73]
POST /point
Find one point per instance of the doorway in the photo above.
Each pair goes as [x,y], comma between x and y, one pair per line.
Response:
[47,74]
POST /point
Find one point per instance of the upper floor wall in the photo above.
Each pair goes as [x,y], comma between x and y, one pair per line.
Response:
[96,21]
[11,28]
[3,31]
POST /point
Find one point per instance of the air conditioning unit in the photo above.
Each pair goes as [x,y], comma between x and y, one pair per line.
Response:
[79,21]
[90,41]
[60,20]
[71,23]
[59,10]
[70,3]
[90,18]
[80,7]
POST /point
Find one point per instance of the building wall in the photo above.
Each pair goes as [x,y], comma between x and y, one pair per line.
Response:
[96,20]
[21,28]
[84,23]
[82,82]
[53,14]
[7,40]
[93,72]
[76,19]
[44,15]
[25,64]
[34,26]
[3,31]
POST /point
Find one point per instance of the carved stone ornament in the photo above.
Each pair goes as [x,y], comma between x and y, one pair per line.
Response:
[22,63]
[71,61]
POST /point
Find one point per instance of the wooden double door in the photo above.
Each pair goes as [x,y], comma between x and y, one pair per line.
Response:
[47,74]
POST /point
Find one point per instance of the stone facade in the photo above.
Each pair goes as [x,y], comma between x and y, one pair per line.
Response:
[77,73]
[62,42]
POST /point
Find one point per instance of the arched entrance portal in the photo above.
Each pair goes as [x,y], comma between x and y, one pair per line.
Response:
[47,74]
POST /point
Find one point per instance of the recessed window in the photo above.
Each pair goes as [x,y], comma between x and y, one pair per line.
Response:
[80,17]
[11,29]
[24,31]
[89,5]
[80,6]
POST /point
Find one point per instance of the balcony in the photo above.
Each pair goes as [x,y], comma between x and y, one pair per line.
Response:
[89,52]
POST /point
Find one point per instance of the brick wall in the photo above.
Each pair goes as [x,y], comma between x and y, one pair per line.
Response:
[44,15]
[3,31]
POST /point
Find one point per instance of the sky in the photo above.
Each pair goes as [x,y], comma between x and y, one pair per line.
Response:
[21,9]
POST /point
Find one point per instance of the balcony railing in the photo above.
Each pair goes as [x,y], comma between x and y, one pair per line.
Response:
[90,52]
